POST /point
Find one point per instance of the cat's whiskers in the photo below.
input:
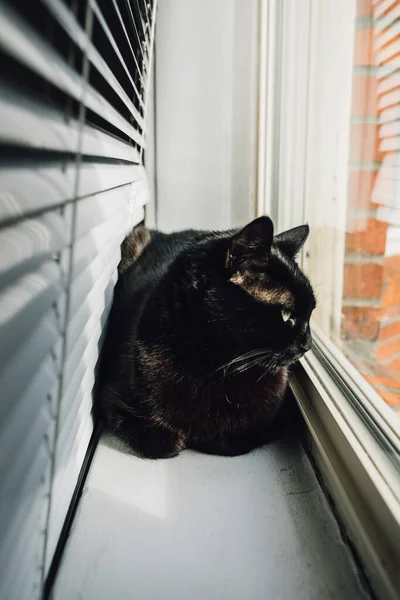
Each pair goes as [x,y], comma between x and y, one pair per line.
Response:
[253,363]
[242,357]
[260,361]
[248,365]
[271,367]
[254,358]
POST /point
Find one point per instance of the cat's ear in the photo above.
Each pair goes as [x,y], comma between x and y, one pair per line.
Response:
[290,241]
[252,243]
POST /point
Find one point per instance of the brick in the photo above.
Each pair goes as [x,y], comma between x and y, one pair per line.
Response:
[363,367]
[390,398]
[388,100]
[391,297]
[383,381]
[360,323]
[360,186]
[388,350]
[393,55]
[363,50]
[389,331]
[364,96]
[394,365]
[364,143]
[356,221]
[370,240]
[362,280]
[391,267]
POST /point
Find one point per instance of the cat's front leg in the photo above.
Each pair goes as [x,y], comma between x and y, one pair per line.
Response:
[158,442]
[235,443]
[287,422]
[146,438]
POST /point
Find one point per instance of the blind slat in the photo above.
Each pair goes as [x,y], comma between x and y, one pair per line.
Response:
[14,425]
[99,237]
[121,20]
[107,31]
[28,244]
[26,302]
[98,143]
[84,315]
[42,127]
[96,178]
[22,42]
[28,359]
[68,22]
[29,190]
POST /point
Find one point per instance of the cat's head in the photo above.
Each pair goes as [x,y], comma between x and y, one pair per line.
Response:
[270,297]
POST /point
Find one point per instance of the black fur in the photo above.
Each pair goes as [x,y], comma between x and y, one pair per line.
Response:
[197,350]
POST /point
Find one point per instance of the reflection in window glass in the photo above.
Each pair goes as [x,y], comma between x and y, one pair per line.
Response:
[357,246]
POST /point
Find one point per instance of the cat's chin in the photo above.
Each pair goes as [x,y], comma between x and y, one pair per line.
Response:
[288,361]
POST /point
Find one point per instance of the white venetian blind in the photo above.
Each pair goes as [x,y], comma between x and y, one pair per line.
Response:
[73,88]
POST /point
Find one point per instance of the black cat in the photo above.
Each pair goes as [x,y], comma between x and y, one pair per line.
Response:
[202,331]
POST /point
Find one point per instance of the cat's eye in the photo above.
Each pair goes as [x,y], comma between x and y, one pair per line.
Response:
[287,317]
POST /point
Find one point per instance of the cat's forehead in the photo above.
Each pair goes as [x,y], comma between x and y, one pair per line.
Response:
[263,290]
[282,282]
[286,271]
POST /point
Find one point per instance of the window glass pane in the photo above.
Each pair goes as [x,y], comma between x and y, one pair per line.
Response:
[353,190]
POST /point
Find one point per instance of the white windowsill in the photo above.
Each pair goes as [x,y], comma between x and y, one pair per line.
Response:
[254,527]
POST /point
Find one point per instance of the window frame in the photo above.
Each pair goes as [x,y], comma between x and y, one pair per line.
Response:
[361,478]
[349,427]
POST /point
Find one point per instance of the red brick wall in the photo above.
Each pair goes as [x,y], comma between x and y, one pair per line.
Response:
[371,292]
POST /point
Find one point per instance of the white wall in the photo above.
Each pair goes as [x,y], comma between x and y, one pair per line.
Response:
[206,72]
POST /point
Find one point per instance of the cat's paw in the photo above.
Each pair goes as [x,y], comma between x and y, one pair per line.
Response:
[159,445]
